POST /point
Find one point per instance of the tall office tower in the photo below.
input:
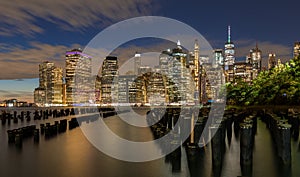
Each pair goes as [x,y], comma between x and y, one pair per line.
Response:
[164,59]
[39,96]
[127,90]
[256,58]
[229,51]
[179,82]
[194,66]
[156,90]
[196,70]
[109,80]
[78,77]
[57,85]
[137,63]
[50,85]
[297,49]
[45,80]
[218,57]
[45,70]
[138,89]
[271,61]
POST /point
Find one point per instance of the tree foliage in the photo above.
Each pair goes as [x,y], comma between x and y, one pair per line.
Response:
[278,86]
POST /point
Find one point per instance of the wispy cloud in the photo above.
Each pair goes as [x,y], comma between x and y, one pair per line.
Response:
[20,17]
[20,63]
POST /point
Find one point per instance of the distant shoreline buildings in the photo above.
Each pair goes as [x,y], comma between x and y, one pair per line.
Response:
[182,77]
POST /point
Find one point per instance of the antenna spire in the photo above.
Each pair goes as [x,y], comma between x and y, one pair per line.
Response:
[229,34]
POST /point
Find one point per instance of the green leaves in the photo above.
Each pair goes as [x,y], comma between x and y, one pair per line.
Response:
[278,86]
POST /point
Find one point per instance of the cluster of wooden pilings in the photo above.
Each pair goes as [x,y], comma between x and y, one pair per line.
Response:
[163,123]
[160,121]
[294,121]
[281,133]
[7,117]
[17,135]
[47,129]
[201,127]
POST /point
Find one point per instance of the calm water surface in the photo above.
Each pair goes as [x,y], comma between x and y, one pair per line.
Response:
[71,155]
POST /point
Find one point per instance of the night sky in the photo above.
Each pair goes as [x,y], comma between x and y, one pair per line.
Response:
[35,30]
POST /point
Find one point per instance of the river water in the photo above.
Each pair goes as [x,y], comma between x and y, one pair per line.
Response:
[70,154]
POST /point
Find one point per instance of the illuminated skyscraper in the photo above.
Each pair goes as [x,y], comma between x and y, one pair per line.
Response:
[195,69]
[297,49]
[45,70]
[57,85]
[271,61]
[137,63]
[78,77]
[256,58]
[126,89]
[229,51]
[174,66]
[164,59]
[218,57]
[50,89]
[156,90]
[109,80]
[39,96]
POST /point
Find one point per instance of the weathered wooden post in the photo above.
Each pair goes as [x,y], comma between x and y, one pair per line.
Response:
[36,135]
[216,145]
[285,143]
[246,144]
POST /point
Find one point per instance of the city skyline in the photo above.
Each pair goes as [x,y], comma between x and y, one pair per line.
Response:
[245,59]
[27,39]
[55,89]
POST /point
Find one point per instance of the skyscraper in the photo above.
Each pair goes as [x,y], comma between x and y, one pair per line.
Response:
[39,96]
[57,84]
[174,64]
[78,77]
[109,80]
[50,90]
[156,90]
[126,89]
[137,63]
[297,49]
[45,69]
[196,70]
[229,51]
[271,61]
[255,59]
[218,57]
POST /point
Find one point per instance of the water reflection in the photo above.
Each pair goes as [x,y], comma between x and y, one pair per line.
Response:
[70,154]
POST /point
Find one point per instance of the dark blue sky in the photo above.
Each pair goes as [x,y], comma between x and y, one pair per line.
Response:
[273,21]
[33,31]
